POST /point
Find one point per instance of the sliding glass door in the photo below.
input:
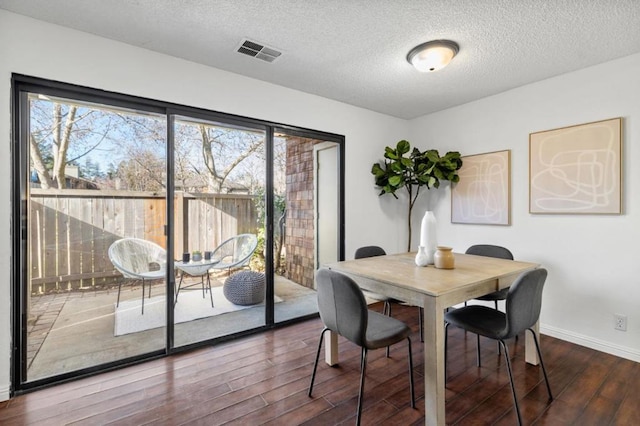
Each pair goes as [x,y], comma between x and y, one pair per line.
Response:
[220,187]
[149,228]
[96,212]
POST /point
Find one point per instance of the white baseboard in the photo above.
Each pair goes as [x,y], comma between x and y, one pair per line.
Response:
[590,342]
[4,394]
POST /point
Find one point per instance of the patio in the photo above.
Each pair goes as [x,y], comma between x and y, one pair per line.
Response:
[74,330]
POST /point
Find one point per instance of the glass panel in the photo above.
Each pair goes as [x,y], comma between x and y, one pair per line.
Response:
[220,185]
[306,173]
[97,179]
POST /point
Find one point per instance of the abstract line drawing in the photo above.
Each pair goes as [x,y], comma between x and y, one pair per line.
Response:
[482,196]
[577,169]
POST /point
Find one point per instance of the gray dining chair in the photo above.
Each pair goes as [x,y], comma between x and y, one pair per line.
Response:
[371,251]
[489,250]
[492,251]
[523,304]
[343,310]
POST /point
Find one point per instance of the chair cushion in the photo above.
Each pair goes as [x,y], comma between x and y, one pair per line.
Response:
[384,331]
[481,320]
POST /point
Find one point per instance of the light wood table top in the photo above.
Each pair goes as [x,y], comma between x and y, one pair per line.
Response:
[472,276]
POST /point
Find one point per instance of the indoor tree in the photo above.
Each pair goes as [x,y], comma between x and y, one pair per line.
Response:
[413,169]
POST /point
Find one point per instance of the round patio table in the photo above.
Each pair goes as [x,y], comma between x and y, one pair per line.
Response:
[198,268]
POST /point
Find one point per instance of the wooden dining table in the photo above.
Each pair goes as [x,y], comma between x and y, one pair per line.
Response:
[433,289]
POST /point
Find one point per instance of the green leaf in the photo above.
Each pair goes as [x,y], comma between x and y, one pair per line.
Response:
[390,153]
[376,170]
[403,147]
[432,155]
[395,180]
[397,167]
[406,162]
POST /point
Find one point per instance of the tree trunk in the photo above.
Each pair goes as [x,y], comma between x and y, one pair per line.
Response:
[409,226]
[61,142]
[36,158]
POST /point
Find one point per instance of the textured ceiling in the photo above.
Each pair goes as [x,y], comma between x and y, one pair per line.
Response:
[354,51]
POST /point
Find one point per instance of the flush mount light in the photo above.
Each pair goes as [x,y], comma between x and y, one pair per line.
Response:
[433,55]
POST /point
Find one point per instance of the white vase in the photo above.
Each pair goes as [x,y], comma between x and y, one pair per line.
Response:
[428,238]
[421,258]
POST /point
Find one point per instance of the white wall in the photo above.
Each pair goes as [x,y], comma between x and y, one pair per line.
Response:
[42,50]
[594,269]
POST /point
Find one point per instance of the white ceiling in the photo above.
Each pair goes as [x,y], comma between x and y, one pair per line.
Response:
[354,51]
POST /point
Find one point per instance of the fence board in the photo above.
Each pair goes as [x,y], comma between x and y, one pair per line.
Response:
[86,246]
[49,238]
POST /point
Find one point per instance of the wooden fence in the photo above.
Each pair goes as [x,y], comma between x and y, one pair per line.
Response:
[71,230]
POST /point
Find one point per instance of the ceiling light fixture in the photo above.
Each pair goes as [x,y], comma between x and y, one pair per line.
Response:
[433,55]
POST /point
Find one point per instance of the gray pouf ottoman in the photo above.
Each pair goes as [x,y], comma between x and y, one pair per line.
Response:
[244,288]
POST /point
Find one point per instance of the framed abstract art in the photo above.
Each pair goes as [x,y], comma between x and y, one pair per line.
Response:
[577,169]
[482,196]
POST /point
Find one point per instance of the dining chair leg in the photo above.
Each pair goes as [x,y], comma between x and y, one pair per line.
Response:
[386,308]
[496,303]
[513,387]
[315,364]
[411,388]
[363,368]
[544,370]
[421,323]
[478,350]
[387,311]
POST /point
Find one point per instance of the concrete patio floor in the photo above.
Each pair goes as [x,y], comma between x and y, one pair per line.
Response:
[75,330]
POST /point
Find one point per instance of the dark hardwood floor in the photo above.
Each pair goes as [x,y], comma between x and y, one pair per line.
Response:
[263,379]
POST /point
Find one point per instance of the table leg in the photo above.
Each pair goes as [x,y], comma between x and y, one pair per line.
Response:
[178,289]
[209,287]
[434,359]
[331,348]
[530,353]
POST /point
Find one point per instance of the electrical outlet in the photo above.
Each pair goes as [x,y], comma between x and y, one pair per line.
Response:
[620,322]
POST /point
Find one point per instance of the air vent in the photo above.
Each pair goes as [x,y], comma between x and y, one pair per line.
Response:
[257,50]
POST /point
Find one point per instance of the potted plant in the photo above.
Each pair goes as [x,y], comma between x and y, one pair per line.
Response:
[196,256]
[413,169]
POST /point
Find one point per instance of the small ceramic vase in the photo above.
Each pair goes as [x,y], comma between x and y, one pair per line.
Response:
[444,258]
[196,257]
[422,259]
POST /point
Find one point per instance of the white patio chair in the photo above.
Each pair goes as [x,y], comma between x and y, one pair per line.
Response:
[139,260]
[235,252]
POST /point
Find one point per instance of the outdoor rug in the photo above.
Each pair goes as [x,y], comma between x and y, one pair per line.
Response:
[191,306]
